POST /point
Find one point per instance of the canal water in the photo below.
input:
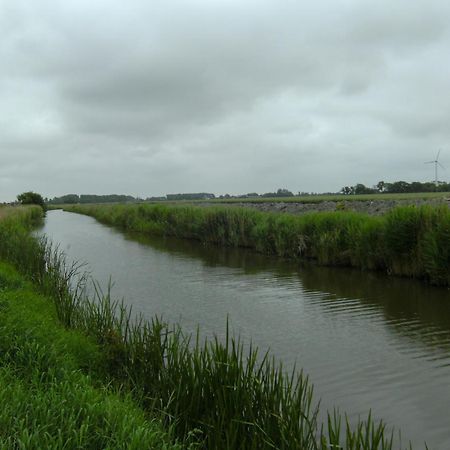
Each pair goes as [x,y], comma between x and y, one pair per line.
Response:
[367,341]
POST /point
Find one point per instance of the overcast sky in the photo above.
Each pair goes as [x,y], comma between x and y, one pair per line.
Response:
[162,96]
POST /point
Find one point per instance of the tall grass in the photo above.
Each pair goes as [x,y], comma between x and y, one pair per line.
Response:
[408,241]
[46,401]
[220,392]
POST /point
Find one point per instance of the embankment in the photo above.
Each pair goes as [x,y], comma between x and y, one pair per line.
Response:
[55,389]
[407,241]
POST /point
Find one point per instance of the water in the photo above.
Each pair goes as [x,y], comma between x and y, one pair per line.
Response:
[367,341]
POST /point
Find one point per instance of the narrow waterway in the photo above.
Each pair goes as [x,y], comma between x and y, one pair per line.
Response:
[367,341]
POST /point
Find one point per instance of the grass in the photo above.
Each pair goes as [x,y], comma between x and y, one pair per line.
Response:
[210,393]
[408,241]
[51,395]
[48,396]
[318,198]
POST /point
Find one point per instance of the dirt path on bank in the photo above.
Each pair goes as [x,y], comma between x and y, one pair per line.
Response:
[372,207]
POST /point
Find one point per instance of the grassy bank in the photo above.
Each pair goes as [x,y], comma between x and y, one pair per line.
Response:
[54,382]
[408,241]
[48,396]
[211,393]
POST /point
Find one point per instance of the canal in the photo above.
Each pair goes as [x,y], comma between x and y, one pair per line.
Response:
[366,340]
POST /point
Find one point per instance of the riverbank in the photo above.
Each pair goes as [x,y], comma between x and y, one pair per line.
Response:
[372,206]
[407,241]
[55,389]
[51,396]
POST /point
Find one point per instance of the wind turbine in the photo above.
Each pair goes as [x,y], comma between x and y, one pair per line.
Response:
[436,163]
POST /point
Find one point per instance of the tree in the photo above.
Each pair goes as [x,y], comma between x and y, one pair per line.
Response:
[284,193]
[346,190]
[381,186]
[31,198]
[361,189]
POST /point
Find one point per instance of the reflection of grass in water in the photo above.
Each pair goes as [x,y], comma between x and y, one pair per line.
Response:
[409,241]
[429,304]
[214,390]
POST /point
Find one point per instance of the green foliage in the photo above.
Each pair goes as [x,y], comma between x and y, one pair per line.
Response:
[31,198]
[45,400]
[90,198]
[397,187]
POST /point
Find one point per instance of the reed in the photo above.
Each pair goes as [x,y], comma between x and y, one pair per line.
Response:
[408,241]
[46,401]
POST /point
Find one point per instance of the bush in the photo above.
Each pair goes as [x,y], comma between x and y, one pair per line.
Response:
[31,198]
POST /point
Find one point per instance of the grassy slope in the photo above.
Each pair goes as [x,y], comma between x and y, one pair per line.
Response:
[48,396]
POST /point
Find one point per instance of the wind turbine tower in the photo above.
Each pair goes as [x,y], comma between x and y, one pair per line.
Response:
[436,163]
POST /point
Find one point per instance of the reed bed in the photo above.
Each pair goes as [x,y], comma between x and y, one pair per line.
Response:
[408,241]
[220,394]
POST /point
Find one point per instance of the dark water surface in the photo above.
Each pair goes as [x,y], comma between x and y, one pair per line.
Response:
[367,341]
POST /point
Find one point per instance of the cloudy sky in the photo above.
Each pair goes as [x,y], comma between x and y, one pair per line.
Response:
[226,96]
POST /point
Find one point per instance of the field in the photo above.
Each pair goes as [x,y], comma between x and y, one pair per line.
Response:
[336,198]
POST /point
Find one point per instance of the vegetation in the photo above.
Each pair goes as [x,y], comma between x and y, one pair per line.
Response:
[196,196]
[318,198]
[75,198]
[31,198]
[46,401]
[48,396]
[399,190]
[216,393]
[397,187]
[408,241]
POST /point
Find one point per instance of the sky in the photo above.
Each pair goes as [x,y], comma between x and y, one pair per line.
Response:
[152,97]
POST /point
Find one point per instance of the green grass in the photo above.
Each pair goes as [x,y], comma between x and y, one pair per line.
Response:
[48,396]
[407,241]
[315,198]
[318,198]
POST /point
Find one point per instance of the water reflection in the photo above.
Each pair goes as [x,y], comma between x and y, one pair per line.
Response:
[410,307]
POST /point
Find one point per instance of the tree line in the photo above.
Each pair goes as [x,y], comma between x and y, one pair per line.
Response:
[397,187]
[91,198]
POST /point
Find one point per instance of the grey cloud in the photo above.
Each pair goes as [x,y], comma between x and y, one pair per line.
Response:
[152,97]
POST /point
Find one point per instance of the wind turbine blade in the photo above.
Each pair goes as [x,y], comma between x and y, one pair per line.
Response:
[437,157]
[441,165]
[429,162]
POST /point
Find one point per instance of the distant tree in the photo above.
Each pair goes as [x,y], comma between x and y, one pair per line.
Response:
[381,186]
[284,193]
[191,196]
[346,190]
[31,198]
[397,187]
[361,189]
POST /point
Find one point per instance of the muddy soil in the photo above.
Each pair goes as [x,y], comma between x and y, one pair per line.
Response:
[372,207]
